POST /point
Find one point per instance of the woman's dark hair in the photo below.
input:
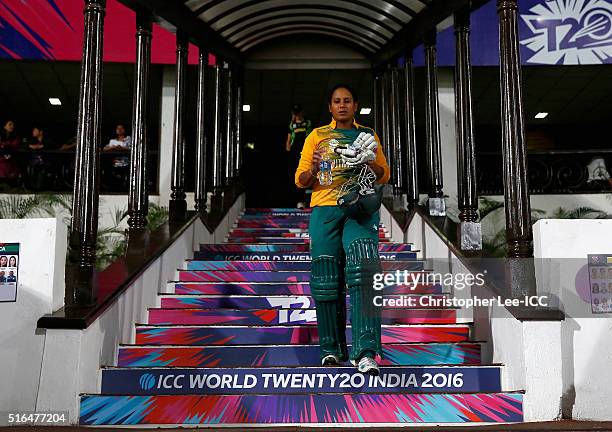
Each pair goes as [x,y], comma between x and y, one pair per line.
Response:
[126,127]
[350,89]
[4,135]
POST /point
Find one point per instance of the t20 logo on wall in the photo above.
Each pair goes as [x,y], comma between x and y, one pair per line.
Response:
[568,32]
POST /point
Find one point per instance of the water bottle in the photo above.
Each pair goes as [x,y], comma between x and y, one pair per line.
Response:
[325,170]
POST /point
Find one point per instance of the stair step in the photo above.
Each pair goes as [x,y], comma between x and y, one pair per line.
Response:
[176,301]
[288,334]
[279,288]
[266,238]
[270,265]
[273,232]
[273,317]
[345,379]
[283,256]
[404,354]
[387,247]
[282,240]
[257,210]
[279,409]
[256,276]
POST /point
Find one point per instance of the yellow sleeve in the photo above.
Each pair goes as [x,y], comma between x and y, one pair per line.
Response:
[305,158]
[381,161]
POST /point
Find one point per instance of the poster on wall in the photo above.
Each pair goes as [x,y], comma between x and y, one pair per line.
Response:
[9,271]
[600,281]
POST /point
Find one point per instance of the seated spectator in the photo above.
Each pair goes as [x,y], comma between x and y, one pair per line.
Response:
[41,168]
[39,141]
[9,143]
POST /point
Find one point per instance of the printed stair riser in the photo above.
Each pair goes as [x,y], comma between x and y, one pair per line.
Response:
[264,276]
[232,288]
[279,302]
[387,247]
[301,409]
[288,316]
[288,265]
[281,335]
[293,355]
[452,379]
[283,256]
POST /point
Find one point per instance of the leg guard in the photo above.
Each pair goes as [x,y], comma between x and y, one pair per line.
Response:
[362,262]
[327,288]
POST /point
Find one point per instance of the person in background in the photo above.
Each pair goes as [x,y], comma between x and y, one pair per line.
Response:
[299,129]
[39,140]
[11,277]
[117,177]
[9,144]
[41,168]
[121,141]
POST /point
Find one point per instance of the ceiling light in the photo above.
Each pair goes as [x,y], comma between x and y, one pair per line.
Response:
[541,115]
[246,108]
[55,101]
[365,111]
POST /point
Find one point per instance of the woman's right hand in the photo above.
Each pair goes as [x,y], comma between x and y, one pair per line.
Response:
[317,157]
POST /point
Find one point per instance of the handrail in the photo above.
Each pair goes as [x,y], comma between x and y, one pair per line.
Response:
[446,230]
[143,249]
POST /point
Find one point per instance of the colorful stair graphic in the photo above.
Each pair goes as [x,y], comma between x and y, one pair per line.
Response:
[234,342]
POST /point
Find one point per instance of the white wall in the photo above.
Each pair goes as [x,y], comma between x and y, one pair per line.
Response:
[448,135]
[72,359]
[562,247]
[40,291]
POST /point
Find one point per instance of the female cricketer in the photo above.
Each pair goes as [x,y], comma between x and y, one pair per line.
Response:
[344,230]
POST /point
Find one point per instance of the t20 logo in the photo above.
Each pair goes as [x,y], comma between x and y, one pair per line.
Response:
[569,32]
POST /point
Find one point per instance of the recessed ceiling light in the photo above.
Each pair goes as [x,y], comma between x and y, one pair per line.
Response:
[55,101]
[365,111]
[541,115]
[246,107]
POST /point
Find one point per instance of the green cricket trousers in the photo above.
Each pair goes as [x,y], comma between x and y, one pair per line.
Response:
[345,254]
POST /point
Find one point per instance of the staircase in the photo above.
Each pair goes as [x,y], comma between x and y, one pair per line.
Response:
[236,343]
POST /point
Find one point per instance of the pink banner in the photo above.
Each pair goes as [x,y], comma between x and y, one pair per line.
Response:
[53,30]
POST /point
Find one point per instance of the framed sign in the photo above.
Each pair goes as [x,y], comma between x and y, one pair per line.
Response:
[600,282]
[9,271]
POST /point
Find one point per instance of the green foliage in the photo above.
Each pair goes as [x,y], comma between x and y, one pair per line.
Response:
[157,216]
[578,213]
[111,241]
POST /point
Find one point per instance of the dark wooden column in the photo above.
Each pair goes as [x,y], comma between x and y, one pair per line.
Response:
[84,225]
[396,143]
[178,205]
[217,161]
[201,134]
[516,193]
[387,135]
[138,197]
[376,103]
[229,125]
[411,177]
[238,134]
[470,233]
[434,153]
